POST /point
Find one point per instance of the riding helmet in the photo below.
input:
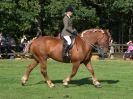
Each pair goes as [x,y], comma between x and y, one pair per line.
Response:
[69,8]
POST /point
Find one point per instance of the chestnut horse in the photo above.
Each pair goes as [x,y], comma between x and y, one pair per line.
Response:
[46,47]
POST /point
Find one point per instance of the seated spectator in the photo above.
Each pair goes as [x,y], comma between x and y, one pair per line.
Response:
[129,52]
[8,47]
[130,46]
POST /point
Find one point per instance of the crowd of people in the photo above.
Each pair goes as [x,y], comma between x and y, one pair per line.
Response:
[8,46]
[128,54]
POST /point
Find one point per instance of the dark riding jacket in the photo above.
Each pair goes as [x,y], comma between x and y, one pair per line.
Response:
[68,29]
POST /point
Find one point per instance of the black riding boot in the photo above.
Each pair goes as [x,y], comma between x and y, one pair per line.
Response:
[65,51]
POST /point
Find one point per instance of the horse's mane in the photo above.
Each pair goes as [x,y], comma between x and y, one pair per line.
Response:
[106,31]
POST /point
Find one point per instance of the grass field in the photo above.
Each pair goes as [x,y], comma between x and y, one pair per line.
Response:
[116,77]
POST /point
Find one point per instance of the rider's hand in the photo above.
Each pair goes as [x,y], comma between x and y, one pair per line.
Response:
[75,33]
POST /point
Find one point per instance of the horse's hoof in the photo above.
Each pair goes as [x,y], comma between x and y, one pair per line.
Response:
[65,84]
[98,86]
[22,83]
[51,85]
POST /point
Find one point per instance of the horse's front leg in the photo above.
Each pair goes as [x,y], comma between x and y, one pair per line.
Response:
[73,73]
[95,81]
[28,71]
[43,69]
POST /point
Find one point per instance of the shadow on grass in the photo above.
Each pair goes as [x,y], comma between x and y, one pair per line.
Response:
[79,82]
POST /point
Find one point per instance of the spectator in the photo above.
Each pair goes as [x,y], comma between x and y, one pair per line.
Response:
[7,46]
[10,41]
[23,39]
[111,51]
[10,47]
[23,43]
[129,53]
[2,39]
[2,43]
[130,46]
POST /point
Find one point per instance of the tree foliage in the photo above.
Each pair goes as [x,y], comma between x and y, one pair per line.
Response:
[83,17]
[20,17]
[26,13]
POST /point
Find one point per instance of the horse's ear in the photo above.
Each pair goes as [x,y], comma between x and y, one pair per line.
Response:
[106,30]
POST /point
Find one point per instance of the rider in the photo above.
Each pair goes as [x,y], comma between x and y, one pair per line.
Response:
[68,30]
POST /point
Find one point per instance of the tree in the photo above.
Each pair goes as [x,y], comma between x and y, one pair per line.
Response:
[23,16]
[84,17]
[112,15]
[6,16]
[122,14]
[18,15]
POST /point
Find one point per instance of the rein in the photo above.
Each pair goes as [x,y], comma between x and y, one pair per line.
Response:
[98,49]
[92,45]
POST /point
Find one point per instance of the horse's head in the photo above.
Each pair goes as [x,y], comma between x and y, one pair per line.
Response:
[103,41]
[98,37]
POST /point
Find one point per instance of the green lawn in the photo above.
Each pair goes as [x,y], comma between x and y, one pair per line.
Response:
[116,77]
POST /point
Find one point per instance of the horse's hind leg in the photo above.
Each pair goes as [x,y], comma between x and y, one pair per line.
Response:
[43,69]
[28,71]
[90,68]
[73,73]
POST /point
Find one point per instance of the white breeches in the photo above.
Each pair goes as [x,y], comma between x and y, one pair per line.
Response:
[68,39]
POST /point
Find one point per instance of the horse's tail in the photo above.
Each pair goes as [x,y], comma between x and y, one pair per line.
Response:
[27,47]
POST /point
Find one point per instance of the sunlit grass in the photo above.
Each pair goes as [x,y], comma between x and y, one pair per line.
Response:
[114,75]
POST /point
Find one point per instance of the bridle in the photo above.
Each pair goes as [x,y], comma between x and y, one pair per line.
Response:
[97,48]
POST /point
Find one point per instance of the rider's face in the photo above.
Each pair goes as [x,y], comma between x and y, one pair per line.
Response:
[70,13]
